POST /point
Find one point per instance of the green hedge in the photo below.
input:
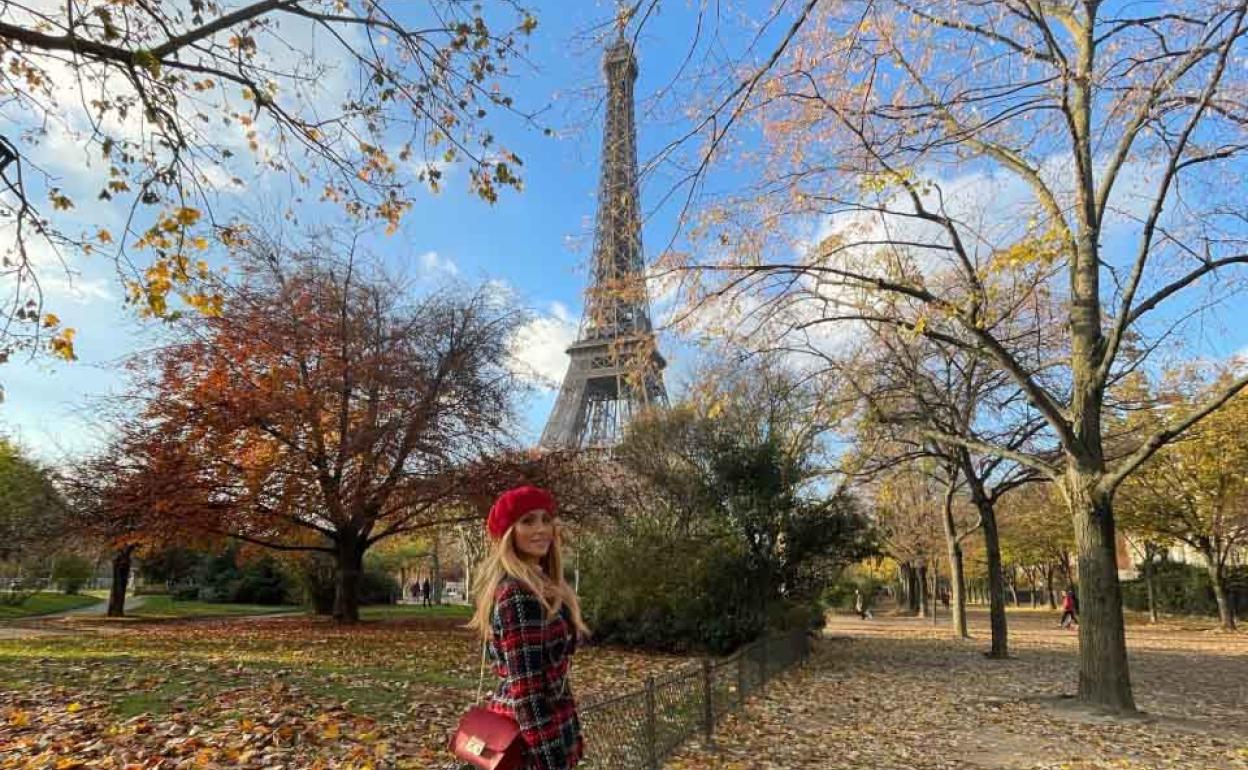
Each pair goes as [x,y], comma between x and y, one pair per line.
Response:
[651,588]
[1185,589]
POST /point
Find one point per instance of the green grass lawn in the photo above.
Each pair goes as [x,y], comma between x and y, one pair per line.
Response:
[45,604]
[158,606]
[155,668]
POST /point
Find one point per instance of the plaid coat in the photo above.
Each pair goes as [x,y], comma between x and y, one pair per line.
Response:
[532,655]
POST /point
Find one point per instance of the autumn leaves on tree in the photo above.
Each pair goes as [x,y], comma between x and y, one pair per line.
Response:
[325,410]
[1090,152]
[176,106]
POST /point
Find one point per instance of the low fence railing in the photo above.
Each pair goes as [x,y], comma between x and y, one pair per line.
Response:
[639,729]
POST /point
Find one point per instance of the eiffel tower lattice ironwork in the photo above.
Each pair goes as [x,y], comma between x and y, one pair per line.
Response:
[615,369]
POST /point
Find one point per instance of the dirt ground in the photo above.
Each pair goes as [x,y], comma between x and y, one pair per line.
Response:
[897,693]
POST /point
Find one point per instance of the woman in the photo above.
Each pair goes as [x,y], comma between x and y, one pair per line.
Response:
[530,619]
[1070,610]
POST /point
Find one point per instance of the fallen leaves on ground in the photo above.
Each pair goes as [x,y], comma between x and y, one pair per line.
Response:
[896,694]
[272,693]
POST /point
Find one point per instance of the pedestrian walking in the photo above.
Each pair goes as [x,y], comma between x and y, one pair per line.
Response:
[861,606]
[1070,610]
[426,593]
[530,621]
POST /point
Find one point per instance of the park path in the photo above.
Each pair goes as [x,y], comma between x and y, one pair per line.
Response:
[894,694]
[54,624]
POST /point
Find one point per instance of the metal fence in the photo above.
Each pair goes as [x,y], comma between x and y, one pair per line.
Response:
[638,729]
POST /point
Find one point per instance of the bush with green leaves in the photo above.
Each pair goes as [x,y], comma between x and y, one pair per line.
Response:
[737,533]
[224,576]
[315,580]
[690,594]
[1185,589]
[71,572]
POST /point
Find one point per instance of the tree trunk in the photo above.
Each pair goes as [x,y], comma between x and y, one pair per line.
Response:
[436,582]
[1217,578]
[1149,581]
[1104,677]
[907,588]
[921,590]
[349,577]
[957,576]
[996,579]
[1048,586]
[121,580]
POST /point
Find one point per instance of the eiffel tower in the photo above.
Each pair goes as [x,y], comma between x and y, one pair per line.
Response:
[615,369]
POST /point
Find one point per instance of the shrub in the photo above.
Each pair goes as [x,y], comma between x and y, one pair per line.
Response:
[315,581]
[692,594]
[840,594]
[71,573]
[378,587]
[185,593]
[1185,589]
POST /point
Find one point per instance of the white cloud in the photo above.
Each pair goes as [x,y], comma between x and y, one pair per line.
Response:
[539,351]
[431,265]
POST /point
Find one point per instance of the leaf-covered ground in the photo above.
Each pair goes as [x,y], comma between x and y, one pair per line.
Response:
[896,694]
[255,693]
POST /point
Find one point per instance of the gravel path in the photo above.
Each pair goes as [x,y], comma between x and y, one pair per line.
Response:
[896,694]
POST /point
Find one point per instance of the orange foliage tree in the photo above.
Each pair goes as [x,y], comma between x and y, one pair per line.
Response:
[327,410]
[128,497]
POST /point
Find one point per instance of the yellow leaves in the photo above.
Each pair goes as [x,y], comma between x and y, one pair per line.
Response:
[187,217]
[331,731]
[59,201]
[919,328]
[104,236]
[62,345]
[74,707]
[51,321]
[877,183]
[1042,250]
[18,718]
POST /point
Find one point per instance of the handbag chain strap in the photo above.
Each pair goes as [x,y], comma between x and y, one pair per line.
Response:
[481,678]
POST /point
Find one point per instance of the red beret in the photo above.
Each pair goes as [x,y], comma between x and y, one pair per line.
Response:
[513,504]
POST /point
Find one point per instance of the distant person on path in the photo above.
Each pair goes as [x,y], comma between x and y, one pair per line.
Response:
[1070,610]
[860,605]
[530,620]
[426,593]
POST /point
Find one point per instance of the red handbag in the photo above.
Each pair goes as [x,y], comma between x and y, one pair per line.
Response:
[487,739]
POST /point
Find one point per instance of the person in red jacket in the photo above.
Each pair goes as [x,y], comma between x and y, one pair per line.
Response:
[531,621]
[1070,609]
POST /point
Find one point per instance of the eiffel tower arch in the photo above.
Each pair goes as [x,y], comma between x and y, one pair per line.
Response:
[614,369]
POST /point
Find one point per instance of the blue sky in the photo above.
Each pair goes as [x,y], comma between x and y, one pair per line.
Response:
[536,242]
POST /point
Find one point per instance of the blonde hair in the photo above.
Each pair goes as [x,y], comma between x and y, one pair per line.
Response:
[546,583]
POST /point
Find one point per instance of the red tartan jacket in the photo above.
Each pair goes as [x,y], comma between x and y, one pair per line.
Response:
[532,654]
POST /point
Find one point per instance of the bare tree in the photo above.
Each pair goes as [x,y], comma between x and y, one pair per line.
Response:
[1111,142]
